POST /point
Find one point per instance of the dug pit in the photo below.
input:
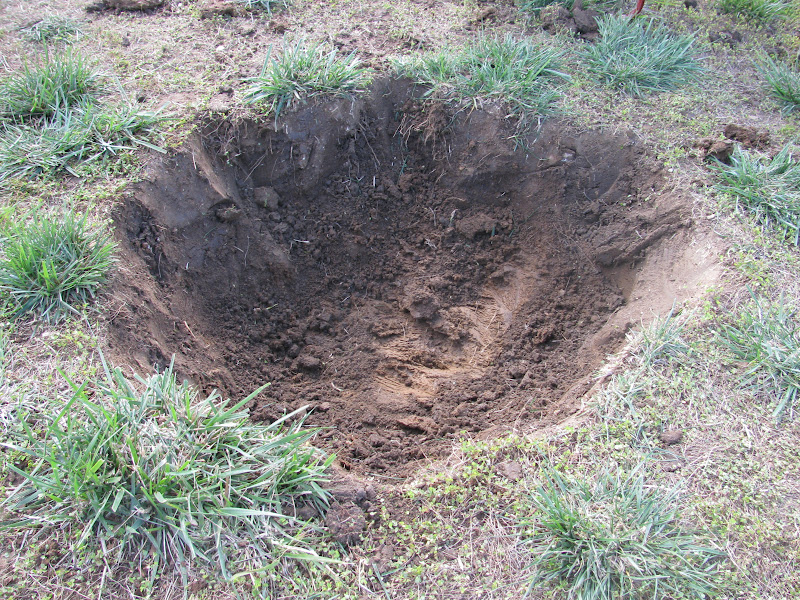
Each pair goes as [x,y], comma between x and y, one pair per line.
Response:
[408,273]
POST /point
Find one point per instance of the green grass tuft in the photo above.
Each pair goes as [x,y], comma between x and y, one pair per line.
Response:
[269,6]
[783,83]
[301,72]
[150,468]
[767,336]
[60,82]
[52,29]
[51,265]
[520,73]
[51,118]
[662,341]
[616,538]
[761,11]
[57,142]
[640,57]
[767,188]
[534,7]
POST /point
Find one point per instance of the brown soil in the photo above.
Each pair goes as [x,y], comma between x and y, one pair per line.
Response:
[403,271]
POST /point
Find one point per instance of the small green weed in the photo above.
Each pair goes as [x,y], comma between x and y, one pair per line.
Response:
[520,73]
[151,468]
[761,11]
[783,83]
[50,265]
[769,189]
[641,57]
[616,538]
[52,29]
[61,81]
[301,72]
[767,336]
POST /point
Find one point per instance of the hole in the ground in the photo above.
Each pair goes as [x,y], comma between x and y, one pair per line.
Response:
[408,274]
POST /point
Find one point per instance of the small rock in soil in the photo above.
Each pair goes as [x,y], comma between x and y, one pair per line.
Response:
[690,3]
[671,436]
[488,396]
[278,27]
[345,490]
[345,522]
[375,463]
[503,274]
[671,466]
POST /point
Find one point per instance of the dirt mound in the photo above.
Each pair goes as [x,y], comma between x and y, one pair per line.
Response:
[404,271]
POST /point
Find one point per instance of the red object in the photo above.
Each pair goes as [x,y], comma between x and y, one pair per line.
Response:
[639,7]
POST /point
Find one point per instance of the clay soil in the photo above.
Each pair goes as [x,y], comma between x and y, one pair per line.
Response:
[408,273]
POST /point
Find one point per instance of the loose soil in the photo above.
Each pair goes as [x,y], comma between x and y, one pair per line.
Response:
[408,273]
